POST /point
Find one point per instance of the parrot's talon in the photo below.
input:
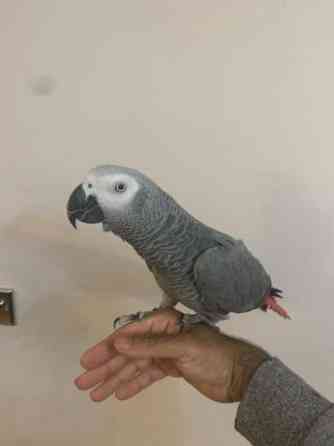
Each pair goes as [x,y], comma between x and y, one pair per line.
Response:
[116,322]
[180,323]
[128,318]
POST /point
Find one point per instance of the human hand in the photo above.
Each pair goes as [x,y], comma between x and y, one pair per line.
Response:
[141,353]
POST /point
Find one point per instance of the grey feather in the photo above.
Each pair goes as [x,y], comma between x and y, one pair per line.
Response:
[231,280]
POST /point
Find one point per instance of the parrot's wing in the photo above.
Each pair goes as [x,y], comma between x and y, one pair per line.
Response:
[230,279]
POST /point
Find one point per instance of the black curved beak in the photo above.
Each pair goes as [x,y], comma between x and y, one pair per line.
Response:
[84,209]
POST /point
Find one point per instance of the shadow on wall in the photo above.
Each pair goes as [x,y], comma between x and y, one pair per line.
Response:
[68,279]
[93,262]
[298,235]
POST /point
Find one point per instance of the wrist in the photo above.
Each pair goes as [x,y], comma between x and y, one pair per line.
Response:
[248,359]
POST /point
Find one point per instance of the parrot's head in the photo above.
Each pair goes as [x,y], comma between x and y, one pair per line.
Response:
[111,195]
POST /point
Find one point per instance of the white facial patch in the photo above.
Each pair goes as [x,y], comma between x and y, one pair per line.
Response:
[87,189]
[109,195]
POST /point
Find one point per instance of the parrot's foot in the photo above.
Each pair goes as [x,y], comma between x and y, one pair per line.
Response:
[270,303]
[128,318]
[188,320]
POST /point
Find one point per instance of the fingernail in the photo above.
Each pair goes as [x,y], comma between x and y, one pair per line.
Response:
[122,344]
[95,397]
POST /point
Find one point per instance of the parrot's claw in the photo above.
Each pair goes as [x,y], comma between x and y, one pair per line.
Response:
[128,318]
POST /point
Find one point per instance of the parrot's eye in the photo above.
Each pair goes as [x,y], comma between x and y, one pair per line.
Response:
[120,187]
[89,185]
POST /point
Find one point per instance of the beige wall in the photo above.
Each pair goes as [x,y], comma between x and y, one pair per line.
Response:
[229,106]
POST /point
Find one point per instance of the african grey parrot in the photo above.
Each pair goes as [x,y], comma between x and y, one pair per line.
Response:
[208,271]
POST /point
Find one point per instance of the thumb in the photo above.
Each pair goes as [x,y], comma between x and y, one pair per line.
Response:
[164,346]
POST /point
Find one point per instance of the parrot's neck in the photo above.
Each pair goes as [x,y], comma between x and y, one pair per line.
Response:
[161,234]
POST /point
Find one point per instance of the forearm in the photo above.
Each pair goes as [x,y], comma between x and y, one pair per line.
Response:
[279,408]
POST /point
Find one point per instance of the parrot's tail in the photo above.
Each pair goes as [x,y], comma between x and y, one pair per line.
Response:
[270,303]
[276,292]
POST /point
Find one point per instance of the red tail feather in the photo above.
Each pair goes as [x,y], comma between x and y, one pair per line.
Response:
[271,304]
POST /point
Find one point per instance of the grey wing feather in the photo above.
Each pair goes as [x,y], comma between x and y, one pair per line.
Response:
[230,279]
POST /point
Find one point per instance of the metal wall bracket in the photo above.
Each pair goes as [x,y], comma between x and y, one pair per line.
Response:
[7,315]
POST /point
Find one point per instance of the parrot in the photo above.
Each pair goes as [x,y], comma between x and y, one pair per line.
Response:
[210,272]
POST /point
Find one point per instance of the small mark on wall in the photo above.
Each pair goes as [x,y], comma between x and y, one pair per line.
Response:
[42,85]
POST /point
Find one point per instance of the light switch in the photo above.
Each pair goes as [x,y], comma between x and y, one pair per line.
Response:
[7,316]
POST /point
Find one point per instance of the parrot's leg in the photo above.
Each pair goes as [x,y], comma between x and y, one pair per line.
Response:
[188,320]
[167,301]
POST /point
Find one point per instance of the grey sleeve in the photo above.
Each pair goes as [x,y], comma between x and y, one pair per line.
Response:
[280,408]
